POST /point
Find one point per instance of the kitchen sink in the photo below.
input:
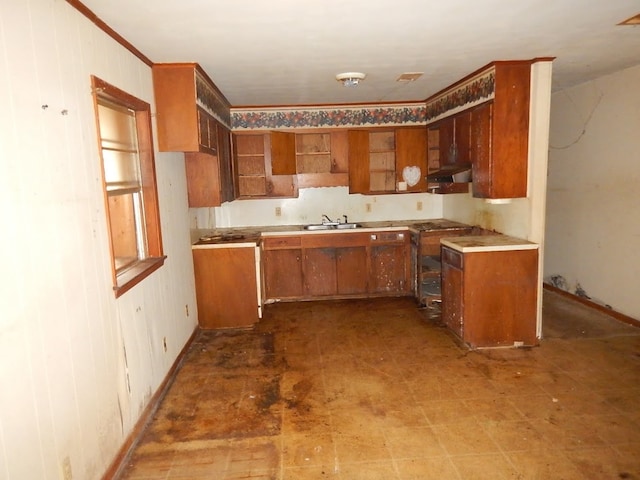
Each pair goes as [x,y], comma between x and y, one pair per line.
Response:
[332,226]
[319,226]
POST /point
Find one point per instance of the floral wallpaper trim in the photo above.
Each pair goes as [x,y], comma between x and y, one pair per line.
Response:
[292,117]
[210,101]
[475,90]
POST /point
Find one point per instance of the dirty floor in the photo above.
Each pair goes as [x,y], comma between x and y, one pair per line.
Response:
[376,389]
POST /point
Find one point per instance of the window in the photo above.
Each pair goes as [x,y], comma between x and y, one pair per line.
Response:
[129,183]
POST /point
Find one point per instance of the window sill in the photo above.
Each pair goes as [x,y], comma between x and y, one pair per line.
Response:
[138,272]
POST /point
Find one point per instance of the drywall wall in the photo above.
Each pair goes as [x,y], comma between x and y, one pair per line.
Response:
[593,202]
[77,365]
[312,203]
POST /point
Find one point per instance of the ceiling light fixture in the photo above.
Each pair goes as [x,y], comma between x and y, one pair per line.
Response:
[350,79]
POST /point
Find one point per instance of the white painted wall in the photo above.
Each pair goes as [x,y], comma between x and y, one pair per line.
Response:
[593,217]
[312,203]
[66,390]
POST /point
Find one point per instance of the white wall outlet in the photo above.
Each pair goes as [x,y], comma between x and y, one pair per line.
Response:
[419,206]
[278,211]
[186,309]
[368,207]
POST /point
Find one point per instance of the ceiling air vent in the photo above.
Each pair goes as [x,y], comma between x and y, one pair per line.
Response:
[409,77]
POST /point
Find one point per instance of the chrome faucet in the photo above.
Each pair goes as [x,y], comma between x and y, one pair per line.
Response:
[326,219]
[345,219]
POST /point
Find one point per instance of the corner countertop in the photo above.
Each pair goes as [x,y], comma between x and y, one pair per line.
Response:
[246,236]
[487,243]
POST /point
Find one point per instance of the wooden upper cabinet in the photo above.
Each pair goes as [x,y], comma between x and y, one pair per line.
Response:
[493,137]
[209,177]
[449,145]
[183,125]
[500,167]
[378,157]
[257,156]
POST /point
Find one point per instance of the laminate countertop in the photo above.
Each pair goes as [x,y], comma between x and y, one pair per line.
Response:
[487,243]
[253,234]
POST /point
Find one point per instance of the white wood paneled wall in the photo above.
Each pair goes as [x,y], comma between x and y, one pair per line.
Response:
[67,390]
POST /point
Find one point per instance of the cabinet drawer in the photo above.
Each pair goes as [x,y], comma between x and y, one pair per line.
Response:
[388,237]
[430,245]
[273,243]
[335,240]
[452,258]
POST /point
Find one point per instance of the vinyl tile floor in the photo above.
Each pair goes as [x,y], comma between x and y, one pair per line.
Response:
[377,389]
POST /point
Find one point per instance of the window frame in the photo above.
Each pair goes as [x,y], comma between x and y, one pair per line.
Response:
[154,259]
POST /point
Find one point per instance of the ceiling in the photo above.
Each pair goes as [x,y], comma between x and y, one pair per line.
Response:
[288,52]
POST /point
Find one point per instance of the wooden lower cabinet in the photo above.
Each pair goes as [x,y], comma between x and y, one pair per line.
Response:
[320,272]
[336,265]
[490,297]
[227,286]
[429,266]
[390,263]
[351,271]
[282,268]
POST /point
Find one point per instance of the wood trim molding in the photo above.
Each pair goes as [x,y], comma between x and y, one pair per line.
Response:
[83,9]
[596,306]
[120,460]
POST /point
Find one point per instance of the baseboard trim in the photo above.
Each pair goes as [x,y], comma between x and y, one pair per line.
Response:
[119,462]
[596,306]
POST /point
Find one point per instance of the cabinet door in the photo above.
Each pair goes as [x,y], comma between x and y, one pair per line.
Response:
[204,187]
[411,151]
[388,269]
[358,161]
[225,162]
[500,297]
[462,136]
[448,155]
[226,287]
[339,151]
[283,153]
[209,177]
[319,271]
[249,160]
[283,273]
[452,291]
[176,119]
[481,132]
[351,266]
[207,132]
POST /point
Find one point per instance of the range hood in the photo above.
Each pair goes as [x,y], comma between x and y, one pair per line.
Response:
[451,174]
